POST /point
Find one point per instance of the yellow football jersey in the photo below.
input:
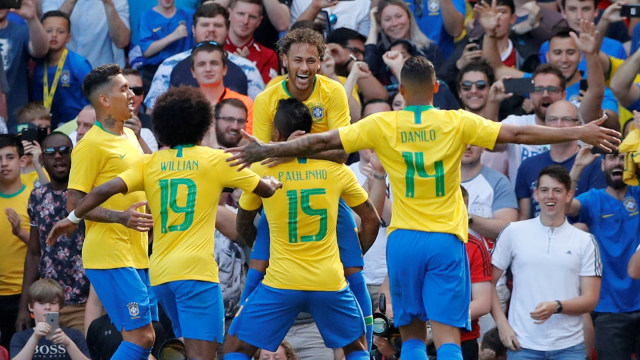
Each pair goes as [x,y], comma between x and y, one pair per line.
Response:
[327,103]
[183,187]
[302,220]
[99,157]
[421,149]
[12,250]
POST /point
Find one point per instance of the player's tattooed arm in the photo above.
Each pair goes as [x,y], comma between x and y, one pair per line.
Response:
[129,218]
[369,224]
[244,225]
[338,156]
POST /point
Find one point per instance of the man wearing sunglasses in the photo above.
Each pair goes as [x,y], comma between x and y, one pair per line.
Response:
[62,261]
[140,122]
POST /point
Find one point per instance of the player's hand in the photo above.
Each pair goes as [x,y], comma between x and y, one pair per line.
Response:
[586,42]
[272,182]
[133,219]
[271,162]
[508,337]
[244,52]
[23,322]
[497,92]
[15,221]
[594,134]
[470,53]
[59,337]
[543,311]
[487,15]
[41,329]
[243,156]
[62,227]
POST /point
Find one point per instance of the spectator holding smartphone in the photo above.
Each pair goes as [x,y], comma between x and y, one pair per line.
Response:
[46,296]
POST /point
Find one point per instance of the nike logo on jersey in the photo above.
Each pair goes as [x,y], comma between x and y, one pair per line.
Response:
[157,29]
[123,155]
[607,216]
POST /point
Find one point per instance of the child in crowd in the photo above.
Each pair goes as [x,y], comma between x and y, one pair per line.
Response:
[33,117]
[63,343]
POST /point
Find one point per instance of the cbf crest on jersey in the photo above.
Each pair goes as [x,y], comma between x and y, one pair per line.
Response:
[317,113]
[630,204]
[433,6]
[65,78]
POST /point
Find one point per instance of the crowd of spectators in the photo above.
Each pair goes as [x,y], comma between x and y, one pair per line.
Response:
[581,59]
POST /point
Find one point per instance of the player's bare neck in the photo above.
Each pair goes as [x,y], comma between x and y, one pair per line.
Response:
[301,95]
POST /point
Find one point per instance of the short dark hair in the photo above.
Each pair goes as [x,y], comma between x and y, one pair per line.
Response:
[558,173]
[480,65]
[564,2]
[561,32]
[418,72]
[292,115]
[11,140]
[211,10]
[181,116]
[129,71]
[301,35]
[341,36]
[57,13]
[550,69]
[507,3]
[237,103]
[54,134]
[208,46]
[98,78]
[374,101]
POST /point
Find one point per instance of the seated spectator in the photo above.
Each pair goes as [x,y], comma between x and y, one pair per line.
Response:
[208,65]
[244,19]
[36,117]
[43,341]
[210,23]
[19,42]
[99,29]
[140,123]
[392,20]
[57,79]
[164,31]
[14,232]
[62,261]
[353,15]
[284,352]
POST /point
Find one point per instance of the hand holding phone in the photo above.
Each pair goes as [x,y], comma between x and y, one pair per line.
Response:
[52,319]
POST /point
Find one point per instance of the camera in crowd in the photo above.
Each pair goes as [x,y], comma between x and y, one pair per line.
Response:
[384,327]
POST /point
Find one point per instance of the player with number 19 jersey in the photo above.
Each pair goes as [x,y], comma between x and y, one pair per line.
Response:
[421,152]
[183,186]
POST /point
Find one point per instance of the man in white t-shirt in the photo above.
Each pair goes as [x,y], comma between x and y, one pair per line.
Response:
[557,273]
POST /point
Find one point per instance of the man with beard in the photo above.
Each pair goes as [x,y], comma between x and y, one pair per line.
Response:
[62,261]
[613,218]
